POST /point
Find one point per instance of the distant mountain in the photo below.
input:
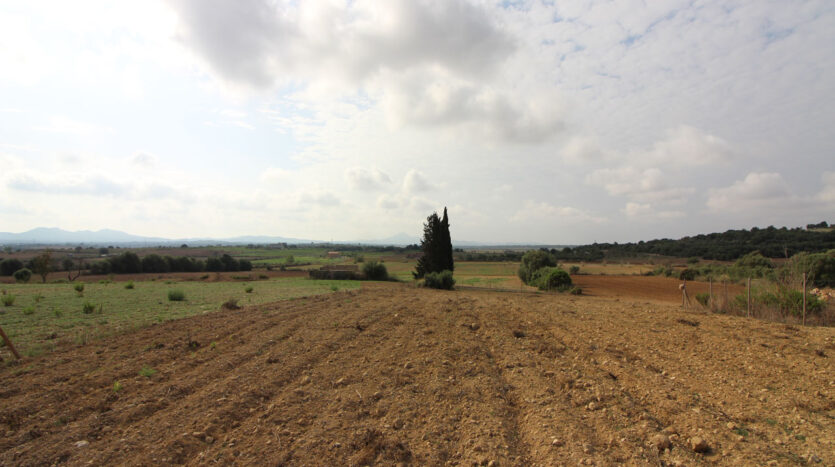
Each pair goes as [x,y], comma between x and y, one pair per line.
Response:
[105,237]
[48,236]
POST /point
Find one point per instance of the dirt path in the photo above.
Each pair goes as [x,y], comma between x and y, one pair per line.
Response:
[391,374]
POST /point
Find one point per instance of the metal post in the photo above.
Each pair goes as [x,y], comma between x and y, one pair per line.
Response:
[749,297]
[804,299]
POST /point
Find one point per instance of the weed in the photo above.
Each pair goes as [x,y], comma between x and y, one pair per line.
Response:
[334,288]
[79,289]
[741,431]
[62,420]
[38,298]
[176,295]
[129,285]
[117,386]
[771,421]
[263,276]
[213,345]
[57,313]
[230,304]
[147,371]
[88,307]
[8,299]
[29,310]
[248,289]
[105,281]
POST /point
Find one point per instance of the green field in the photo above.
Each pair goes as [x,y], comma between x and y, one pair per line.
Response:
[44,314]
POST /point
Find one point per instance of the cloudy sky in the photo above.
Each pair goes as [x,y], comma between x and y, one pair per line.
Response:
[533,121]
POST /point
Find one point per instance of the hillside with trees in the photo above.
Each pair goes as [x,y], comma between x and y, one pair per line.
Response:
[730,245]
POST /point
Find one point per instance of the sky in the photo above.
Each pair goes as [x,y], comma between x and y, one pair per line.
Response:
[554,122]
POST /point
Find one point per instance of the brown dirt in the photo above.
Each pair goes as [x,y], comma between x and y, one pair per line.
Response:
[653,288]
[393,374]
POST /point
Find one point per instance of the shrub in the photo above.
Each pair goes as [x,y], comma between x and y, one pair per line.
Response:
[117,386]
[79,288]
[176,295]
[439,280]
[29,310]
[7,299]
[688,274]
[703,298]
[88,307]
[574,270]
[551,279]
[129,285]
[693,260]
[22,275]
[147,371]
[375,271]
[575,291]
[230,304]
[248,289]
[9,266]
[533,261]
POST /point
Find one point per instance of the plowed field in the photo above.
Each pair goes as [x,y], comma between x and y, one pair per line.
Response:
[391,374]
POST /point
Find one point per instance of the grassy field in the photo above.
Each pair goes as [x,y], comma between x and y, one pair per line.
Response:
[44,314]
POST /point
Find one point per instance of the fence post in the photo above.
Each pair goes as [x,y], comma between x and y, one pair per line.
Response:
[749,297]
[710,292]
[9,343]
[804,299]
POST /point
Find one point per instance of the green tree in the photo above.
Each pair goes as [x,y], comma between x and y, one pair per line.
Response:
[436,245]
[532,261]
[42,264]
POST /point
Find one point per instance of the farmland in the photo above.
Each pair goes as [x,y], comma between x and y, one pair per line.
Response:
[374,373]
[390,373]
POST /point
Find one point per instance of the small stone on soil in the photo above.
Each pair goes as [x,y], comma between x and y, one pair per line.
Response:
[82,443]
[698,444]
[660,442]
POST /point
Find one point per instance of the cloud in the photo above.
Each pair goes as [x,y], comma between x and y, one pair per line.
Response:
[541,211]
[144,160]
[366,180]
[94,185]
[688,146]
[320,198]
[643,185]
[74,127]
[827,193]
[416,182]
[646,211]
[757,189]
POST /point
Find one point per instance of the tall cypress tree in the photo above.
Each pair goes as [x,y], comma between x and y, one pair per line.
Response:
[436,245]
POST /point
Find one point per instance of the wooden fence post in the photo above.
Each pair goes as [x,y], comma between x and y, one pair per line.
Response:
[804,299]
[710,292]
[749,297]
[9,343]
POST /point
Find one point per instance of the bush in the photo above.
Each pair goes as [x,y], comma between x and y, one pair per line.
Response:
[7,299]
[688,274]
[375,271]
[79,288]
[129,285]
[551,279]
[88,307]
[9,266]
[249,289]
[533,261]
[176,295]
[703,298]
[22,275]
[574,270]
[575,291]
[439,280]
[29,310]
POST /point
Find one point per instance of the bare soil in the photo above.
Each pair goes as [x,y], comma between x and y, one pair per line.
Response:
[392,374]
[653,288]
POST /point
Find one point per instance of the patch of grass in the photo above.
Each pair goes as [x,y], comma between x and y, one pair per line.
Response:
[29,310]
[176,295]
[7,299]
[248,289]
[742,431]
[129,285]
[88,307]
[147,371]
[79,288]
[334,288]
[117,386]
[771,421]
[60,308]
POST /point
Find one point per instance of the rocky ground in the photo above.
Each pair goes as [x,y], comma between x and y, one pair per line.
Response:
[391,374]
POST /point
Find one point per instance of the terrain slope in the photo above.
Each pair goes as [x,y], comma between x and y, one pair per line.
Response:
[391,374]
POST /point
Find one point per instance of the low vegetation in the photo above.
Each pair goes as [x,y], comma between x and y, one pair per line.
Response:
[439,280]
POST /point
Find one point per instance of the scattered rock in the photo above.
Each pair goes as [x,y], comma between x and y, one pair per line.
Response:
[698,444]
[518,334]
[82,443]
[660,442]
[557,442]
[587,448]
[591,406]
[340,382]
[732,426]
[210,439]
[398,424]
[408,365]
[305,380]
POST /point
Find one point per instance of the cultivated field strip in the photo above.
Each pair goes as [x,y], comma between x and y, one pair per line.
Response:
[395,375]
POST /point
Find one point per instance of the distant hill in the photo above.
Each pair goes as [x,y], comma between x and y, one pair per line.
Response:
[729,245]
